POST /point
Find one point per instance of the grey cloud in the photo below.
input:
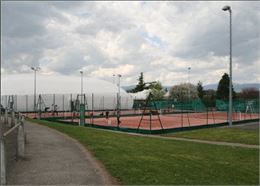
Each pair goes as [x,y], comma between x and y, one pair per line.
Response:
[71,60]
[24,33]
[27,40]
[27,51]
[213,35]
[18,22]
[103,18]
[68,5]
[26,19]
[95,54]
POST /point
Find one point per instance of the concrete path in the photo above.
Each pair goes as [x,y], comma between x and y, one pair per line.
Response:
[52,158]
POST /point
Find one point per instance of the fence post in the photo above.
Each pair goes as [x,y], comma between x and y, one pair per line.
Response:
[20,140]
[71,108]
[103,103]
[92,103]
[12,118]
[2,162]
[6,116]
[207,115]
[63,109]
[181,112]
[24,132]
[26,98]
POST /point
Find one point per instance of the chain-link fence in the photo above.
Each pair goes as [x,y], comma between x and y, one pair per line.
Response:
[64,102]
[169,114]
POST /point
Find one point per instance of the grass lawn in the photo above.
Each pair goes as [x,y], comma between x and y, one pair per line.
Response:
[144,160]
[234,135]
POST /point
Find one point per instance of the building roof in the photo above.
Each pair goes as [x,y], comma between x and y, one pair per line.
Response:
[23,84]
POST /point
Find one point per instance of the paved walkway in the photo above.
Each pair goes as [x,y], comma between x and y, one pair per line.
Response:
[52,158]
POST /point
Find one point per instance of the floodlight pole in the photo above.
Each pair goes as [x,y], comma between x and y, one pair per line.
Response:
[35,69]
[118,100]
[81,99]
[189,82]
[82,105]
[228,8]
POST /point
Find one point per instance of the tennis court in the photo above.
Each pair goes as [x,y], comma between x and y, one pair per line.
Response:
[166,121]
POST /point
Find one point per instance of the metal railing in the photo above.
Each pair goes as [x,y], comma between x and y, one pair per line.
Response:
[11,125]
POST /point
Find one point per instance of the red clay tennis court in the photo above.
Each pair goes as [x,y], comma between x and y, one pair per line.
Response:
[167,121]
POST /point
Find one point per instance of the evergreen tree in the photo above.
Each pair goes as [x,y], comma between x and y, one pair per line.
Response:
[141,85]
[223,88]
[200,90]
[157,90]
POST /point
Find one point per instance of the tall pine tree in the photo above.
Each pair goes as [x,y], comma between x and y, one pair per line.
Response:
[200,90]
[141,85]
[223,88]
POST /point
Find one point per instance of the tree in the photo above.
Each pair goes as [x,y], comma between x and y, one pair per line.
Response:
[157,90]
[141,85]
[184,92]
[249,93]
[223,88]
[209,98]
[200,90]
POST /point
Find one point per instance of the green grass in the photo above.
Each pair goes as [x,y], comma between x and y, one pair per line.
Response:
[234,135]
[144,160]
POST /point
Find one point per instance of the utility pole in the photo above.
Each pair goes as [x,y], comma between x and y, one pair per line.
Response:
[35,69]
[228,8]
[118,101]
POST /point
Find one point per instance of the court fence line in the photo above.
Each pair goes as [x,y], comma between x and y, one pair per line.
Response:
[97,106]
[187,114]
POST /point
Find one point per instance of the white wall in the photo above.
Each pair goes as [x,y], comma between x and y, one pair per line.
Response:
[25,103]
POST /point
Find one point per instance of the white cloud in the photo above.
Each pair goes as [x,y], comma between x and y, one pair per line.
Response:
[161,39]
[124,70]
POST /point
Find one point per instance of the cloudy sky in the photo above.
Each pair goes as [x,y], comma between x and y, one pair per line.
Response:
[161,39]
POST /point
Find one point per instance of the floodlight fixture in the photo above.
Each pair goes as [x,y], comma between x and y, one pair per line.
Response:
[225,8]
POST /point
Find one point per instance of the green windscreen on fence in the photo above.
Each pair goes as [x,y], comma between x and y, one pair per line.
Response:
[247,105]
[192,105]
[197,105]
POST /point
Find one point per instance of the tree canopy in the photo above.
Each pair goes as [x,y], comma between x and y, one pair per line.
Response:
[141,85]
[184,92]
[223,88]
[200,90]
[249,93]
[157,90]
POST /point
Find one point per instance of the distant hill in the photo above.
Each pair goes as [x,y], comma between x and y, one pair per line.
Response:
[130,87]
[238,87]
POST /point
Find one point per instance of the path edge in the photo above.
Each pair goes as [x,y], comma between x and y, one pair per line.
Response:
[96,163]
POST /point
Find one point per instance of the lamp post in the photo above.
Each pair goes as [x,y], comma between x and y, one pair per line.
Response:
[118,100]
[35,69]
[228,8]
[81,105]
[81,93]
[189,82]
[119,76]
